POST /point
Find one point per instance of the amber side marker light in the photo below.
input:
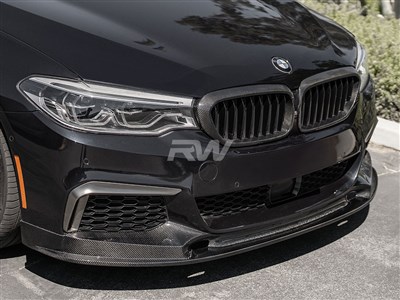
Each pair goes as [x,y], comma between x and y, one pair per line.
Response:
[20,181]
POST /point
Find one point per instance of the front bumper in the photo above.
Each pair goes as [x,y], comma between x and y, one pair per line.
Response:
[193,246]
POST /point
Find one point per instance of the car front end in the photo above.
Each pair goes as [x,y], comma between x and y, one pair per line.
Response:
[182,142]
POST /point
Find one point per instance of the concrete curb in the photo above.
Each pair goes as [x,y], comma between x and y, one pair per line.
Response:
[387,133]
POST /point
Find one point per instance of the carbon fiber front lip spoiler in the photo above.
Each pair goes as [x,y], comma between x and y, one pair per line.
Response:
[103,253]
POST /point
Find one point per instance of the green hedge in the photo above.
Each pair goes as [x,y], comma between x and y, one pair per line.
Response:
[381,37]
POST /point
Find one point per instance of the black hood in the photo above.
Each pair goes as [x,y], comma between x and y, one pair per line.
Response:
[185,47]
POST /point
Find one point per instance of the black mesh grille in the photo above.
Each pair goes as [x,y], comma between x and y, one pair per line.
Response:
[233,203]
[316,180]
[260,197]
[122,213]
[327,103]
[252,118]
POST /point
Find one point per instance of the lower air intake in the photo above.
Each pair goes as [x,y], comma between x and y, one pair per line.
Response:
[123,213]
[233,203]
[261,197]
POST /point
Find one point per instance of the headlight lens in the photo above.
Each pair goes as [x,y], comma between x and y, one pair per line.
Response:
[97,107]
[362,65]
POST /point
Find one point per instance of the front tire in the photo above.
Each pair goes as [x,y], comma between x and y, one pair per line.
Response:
[10,208]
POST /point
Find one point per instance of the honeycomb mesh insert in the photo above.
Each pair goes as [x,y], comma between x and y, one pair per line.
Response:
[314,181]
[123,213]
[233,203]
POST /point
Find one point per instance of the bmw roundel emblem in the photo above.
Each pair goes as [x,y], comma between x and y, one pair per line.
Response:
[282,65]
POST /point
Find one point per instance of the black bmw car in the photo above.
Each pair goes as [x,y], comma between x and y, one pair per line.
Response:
[139,133]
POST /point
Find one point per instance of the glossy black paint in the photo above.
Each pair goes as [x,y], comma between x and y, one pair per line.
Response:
[184,47]
[187,47]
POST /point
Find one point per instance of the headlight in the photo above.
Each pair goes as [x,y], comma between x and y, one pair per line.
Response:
[96,107]
[362,66]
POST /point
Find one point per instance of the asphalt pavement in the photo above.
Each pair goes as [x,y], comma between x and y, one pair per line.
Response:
[355,259]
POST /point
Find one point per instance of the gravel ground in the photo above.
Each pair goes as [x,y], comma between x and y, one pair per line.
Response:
[356,260]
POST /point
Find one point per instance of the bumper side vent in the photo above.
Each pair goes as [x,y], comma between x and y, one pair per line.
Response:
[108,213]
[328,103]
